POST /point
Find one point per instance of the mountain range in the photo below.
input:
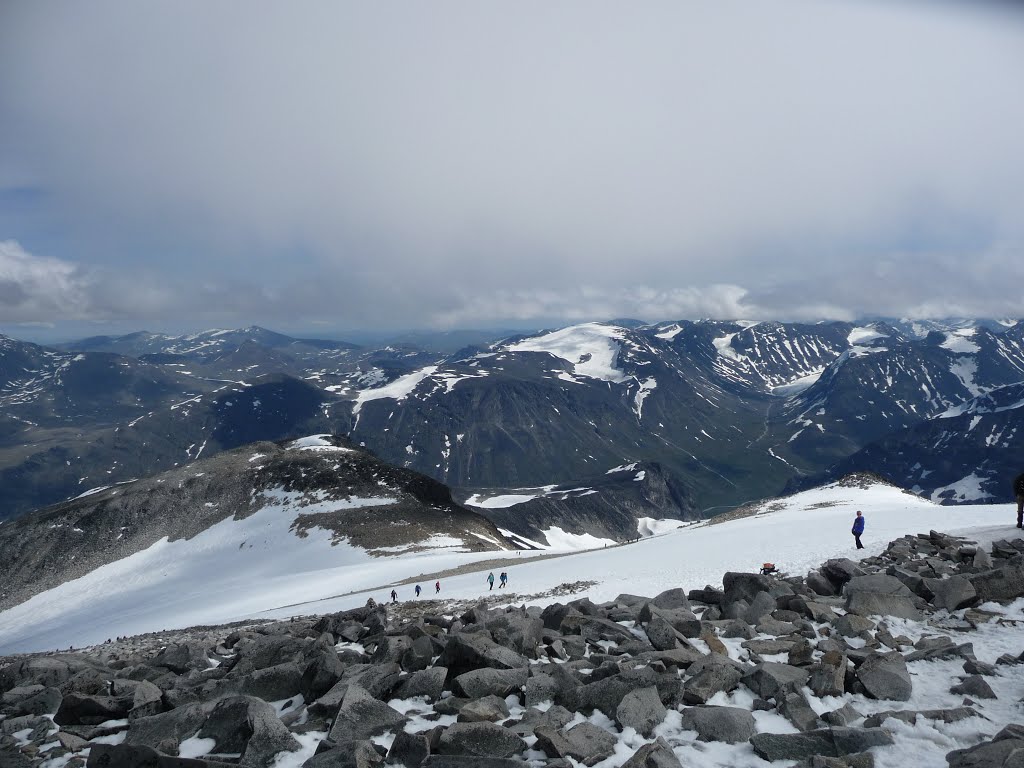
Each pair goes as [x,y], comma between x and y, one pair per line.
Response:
[718,413]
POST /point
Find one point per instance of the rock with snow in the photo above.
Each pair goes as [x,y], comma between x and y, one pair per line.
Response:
[479,740]
[732,725]
[640,709]
[885,676]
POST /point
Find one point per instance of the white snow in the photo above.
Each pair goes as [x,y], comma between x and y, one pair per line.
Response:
[500,502]
[622,468]
[646,387]
[864,334]
[960,341]
[559,539]
[650,526]
[316,443]
[965,489]
[399,389]
[591,348]
[796,386]
[724,346]
[670,333]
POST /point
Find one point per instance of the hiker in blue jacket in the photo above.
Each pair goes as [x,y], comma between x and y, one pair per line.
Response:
[858,529]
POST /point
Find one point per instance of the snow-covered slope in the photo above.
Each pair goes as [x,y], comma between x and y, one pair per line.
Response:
[253,568]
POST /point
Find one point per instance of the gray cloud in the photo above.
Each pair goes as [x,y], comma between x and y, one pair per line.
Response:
[458,164]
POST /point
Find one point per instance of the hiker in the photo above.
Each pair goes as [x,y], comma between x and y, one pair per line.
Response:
[858,529]
[504,579]
[768,569]
[437,587]
[1018,491]
[490,581]
[417,590]
[394,596]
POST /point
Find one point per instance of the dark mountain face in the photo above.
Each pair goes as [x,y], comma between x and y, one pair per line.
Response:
[968,454]
[321,483]
[62,462]
[607,506]
[729,411]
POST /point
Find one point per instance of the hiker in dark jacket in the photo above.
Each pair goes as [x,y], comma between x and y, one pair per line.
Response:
[858,529]
[1018,491]
[394,596]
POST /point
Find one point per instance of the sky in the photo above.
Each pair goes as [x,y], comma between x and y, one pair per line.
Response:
[335,166]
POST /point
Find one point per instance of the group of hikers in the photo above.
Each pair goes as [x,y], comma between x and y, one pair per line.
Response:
[768,568]
[437,590]
[502,578]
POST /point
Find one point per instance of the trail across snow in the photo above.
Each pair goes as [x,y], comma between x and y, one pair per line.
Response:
[257,568]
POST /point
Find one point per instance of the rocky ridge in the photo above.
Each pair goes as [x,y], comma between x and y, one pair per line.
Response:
[825,669]
[319,482]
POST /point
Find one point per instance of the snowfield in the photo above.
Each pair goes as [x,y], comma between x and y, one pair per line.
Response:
[257,567]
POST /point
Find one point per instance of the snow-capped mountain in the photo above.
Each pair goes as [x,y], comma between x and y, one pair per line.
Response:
[730,411]
[967,454]
[243,518]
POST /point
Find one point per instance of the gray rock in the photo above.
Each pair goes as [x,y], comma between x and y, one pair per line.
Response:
[555,717]
[672,598]
[738,628]
[470,761]
[841,570]
[794,707]
[1000,584]
[362,716]
[999,752]
[818,583]
[661,634]
[885,676]
[712,674]
[910,716]
[79,709]
[182,657]
[274,683]
[975,687]
[828,742]
[48,671]
[745,586]
[828,675]
[486,709]
[321,673]
[732,725]
[642,710]
[880,595]
[140,756]
[975,667]
[771,680]
[952,593]
[468,651]
[761,605]
[606,694]
[167,730]
[584,742]
[247,725]
[852,625]
[408,749]
[427,682]
[479,740]
[46,702]
[419,654]
[845,715]
[769,647]
[658,754]
[490,682]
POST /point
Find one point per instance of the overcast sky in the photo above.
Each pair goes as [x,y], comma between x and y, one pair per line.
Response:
[336,166]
